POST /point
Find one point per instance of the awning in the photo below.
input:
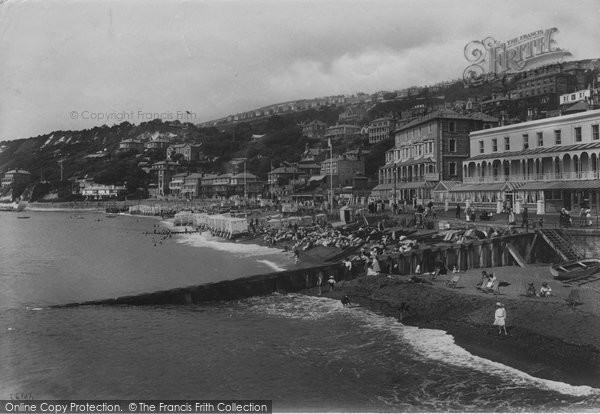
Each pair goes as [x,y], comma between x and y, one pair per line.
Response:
[416,184]
[317,178]
[504,186]
[384,187]
[562,185]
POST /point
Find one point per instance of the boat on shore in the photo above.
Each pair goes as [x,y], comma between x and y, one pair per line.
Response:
[575,269]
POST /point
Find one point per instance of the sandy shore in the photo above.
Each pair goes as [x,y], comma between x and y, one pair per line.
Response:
[546,337]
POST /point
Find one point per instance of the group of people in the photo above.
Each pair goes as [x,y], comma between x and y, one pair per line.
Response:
[544,292]
[585,217]
[487,282]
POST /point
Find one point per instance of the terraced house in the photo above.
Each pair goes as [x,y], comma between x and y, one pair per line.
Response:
[546,164]
[426,151]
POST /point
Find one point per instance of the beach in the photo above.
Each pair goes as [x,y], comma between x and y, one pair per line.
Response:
[546,337]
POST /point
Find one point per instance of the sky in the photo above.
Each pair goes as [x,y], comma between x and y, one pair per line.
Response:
[70,65]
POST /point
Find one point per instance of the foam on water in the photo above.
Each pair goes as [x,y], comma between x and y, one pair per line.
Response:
[216,243]
[272,265]
[430,344]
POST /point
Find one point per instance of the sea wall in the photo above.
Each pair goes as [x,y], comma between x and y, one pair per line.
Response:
[587,240]
[472,254]
[286,281]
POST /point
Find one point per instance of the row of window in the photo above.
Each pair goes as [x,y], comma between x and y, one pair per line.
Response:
[452,171]
[540,139]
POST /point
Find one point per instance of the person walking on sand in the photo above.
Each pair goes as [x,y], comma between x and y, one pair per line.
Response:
[500,318]
[346,301]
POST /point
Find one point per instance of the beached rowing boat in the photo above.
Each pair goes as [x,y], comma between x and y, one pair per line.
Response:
[575,269]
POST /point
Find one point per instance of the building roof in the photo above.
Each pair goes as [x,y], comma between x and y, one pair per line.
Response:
[194,176]
[284,170]
[242,175]
[447,114]
[536,151]
[446,185]
[18,171]
[577,107]
[308,165]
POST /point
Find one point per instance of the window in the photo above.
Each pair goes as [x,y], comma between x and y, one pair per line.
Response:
[525,141]
[577,134]
[481,147]
[430,127]
[452,168]
[557,136]
[595,132]
[451,126]
[506,143]
[540,139]
[452,145]
[495,144]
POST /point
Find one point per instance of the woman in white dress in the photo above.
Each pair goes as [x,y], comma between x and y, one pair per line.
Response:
[500,318]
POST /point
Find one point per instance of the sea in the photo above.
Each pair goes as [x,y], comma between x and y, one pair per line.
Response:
[304,353]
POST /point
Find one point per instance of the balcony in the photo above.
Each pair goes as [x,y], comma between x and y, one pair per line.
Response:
[566,176]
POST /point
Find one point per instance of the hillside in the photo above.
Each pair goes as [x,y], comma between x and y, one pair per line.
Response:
[93,153]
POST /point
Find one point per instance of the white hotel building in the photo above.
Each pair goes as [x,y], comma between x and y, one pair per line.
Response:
[545,164]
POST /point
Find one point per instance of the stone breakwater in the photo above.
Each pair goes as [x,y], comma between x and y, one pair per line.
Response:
[283,281]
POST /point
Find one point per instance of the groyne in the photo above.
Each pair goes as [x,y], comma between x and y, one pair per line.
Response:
[495,252]
[285,281]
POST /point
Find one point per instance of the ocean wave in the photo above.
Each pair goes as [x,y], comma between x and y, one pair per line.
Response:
[241,249]
[430,344]
[272,265]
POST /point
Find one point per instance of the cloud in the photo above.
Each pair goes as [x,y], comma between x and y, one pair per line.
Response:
[220,57]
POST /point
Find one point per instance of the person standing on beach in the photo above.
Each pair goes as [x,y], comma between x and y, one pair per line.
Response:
[457,211]
[525,219]
[331,283]
[500,318]
[320,281]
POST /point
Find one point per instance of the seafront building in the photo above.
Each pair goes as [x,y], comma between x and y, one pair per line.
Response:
[546,164]
[95,191]
[341,170]
[426,151]
[16,177]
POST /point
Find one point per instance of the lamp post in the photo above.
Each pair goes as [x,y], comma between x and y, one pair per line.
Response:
[395,182]
[245,183]
[330,177]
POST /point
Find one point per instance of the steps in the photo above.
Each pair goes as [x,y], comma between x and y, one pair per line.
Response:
[561,244]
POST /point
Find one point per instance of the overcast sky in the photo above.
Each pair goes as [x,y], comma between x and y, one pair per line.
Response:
[215,58]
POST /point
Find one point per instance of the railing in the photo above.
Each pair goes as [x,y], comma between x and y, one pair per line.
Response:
[584,175]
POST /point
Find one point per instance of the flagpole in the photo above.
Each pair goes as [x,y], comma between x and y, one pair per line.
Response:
[330,177]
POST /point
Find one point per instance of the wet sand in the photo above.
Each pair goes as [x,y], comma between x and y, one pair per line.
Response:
[546,337]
